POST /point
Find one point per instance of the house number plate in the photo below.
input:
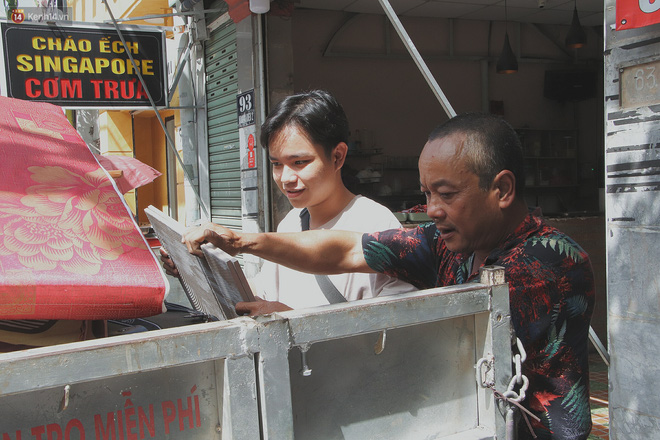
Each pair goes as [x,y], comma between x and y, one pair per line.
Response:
[640,84]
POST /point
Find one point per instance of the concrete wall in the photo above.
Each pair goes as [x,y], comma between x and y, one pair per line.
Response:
[96,11]
[116,137]
[633,227]
[121,132]
[150,148]
[141,137]
[280,79]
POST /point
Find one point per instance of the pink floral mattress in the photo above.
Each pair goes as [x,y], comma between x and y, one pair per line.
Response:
[69,247]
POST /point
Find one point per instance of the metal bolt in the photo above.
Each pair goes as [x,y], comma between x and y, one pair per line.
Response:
[64,404]
[380,344]
[305,370]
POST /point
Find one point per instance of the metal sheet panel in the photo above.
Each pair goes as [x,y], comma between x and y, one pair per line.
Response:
[632,184]
[193,382]
[174,403]
[223,140]
[418,383]
[421,386]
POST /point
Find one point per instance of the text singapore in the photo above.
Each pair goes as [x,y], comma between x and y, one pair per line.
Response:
[69,64]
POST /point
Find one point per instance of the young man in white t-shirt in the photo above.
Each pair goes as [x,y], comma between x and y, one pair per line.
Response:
[306,137]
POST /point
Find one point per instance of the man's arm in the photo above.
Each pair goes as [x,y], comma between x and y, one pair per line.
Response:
[321,252]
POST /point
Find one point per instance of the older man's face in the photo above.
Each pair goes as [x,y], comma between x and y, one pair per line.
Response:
[467,217]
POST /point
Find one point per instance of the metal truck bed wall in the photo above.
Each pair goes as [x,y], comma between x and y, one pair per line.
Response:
[240,379]
[162,384]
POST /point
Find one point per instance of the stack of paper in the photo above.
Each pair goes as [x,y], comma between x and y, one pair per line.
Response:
[214,283]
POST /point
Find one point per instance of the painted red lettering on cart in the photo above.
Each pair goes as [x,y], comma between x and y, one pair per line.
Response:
[182,412]
[72,430]
[132,422]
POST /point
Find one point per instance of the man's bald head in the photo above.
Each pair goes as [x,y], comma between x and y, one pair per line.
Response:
[490,146]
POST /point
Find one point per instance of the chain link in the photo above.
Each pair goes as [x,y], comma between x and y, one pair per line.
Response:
[485,378]
[518,378]
[485,373]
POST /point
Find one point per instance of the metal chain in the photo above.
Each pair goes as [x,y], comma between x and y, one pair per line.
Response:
[485,378]
[518,379]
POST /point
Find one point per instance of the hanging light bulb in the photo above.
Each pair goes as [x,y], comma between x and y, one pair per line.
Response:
[576,36]
[507,62]
[259,6]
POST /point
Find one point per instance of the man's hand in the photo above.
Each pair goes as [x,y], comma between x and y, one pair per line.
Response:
[260,307]
[219,236]
[168,264]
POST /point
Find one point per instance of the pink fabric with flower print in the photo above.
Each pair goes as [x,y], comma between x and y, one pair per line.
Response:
[69,247]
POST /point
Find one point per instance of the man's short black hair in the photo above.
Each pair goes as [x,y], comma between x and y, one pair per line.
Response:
[491,146]
[316,113]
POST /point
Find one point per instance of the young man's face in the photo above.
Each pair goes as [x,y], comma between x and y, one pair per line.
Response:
[466,215]
[302,170]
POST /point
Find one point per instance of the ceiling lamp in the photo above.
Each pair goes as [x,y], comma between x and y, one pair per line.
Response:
[576,37]
[507,62]
[259,6]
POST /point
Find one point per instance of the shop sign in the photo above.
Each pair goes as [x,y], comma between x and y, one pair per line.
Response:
[83,66]
[632,14]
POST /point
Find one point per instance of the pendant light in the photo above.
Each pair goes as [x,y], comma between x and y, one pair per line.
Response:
[507,62]
[259,6]
[576,36]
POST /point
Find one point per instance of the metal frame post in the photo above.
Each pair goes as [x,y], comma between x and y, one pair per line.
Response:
[419,61]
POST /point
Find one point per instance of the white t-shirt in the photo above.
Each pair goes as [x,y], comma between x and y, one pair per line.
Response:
[298,290]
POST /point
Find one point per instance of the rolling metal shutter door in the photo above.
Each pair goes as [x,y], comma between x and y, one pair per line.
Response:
[223,140]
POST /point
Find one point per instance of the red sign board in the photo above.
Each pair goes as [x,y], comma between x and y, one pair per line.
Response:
[632,14]
[252,157]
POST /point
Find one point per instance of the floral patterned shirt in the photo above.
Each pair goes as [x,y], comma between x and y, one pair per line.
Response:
[551,299]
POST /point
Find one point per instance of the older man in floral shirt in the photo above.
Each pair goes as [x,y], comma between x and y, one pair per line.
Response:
[477,222]
[551,300]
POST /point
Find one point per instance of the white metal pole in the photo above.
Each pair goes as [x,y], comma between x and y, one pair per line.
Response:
[437,91]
